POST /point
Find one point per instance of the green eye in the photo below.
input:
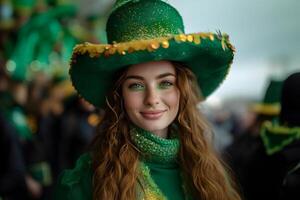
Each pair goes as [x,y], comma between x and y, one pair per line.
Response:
[165,85]
[136,86]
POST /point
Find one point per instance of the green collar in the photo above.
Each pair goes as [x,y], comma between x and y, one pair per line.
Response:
[149,189]
[275,137]
[153,148]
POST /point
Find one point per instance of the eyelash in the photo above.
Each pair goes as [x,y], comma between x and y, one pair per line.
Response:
[162,85]
[135,86]
[166,84]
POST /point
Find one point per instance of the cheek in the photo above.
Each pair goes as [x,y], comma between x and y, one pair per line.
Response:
[172,99]
[131,100]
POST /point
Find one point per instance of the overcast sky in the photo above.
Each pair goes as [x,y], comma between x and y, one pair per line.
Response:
[258,28]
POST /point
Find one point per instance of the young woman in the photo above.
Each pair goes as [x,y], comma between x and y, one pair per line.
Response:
[152,142]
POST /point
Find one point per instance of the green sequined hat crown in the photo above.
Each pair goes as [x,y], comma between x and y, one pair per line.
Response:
[162,20]
[148,30]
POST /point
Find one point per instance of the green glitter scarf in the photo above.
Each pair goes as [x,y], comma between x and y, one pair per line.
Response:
[154,149]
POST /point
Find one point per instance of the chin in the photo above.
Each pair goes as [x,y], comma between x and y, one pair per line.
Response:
[153,127]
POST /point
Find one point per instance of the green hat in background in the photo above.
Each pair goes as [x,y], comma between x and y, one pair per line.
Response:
[271,102]
[43,43]
[278,134]
[148,30]
[33,48]
[24,7]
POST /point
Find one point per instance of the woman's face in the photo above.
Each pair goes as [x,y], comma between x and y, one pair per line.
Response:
[151,96]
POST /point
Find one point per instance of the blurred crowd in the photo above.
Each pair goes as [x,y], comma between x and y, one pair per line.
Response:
[44,129]
[44,126]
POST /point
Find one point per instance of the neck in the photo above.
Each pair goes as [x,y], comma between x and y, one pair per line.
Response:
[161,133]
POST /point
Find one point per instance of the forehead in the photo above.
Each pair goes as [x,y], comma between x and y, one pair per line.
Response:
[151,69]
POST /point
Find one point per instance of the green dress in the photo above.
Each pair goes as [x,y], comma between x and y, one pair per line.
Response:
[160,173]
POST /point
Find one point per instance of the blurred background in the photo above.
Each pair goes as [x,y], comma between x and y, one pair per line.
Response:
[45,127]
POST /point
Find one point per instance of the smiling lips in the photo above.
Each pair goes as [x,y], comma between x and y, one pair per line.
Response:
[153,115]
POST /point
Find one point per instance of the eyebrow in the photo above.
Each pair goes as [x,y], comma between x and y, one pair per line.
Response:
[158,77]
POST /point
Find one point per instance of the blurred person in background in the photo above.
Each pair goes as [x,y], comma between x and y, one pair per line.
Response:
[239,154]
[13,99]
[12,168]
[31,33]
[273,168]
[47,116]
[290,120]
[78,126]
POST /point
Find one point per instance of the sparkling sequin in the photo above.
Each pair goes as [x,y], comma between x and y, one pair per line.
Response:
[155,45]
[190,38]
[95,50]
[182,37]
[197,39]
[165,44]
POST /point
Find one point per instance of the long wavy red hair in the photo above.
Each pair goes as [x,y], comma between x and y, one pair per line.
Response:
[115,157]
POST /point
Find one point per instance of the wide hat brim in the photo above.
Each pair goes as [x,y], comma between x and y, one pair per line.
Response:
[93,66]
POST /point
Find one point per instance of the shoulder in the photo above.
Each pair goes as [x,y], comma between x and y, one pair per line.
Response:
[76,184]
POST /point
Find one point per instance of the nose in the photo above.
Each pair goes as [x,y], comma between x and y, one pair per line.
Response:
[151,97]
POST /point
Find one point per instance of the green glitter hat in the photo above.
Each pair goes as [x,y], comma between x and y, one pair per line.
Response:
[271,102]
[148,30]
